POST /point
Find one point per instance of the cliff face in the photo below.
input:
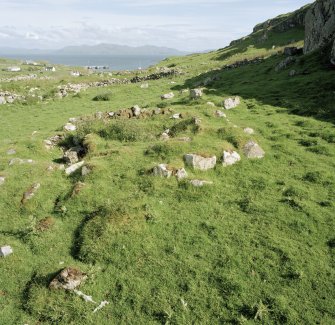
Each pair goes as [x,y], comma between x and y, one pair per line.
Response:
[320,26]
[285,22]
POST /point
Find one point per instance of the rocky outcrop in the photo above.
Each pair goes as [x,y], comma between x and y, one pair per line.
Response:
[284,23]
[320,26]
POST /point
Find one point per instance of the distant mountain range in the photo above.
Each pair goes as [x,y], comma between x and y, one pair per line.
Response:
[100,49]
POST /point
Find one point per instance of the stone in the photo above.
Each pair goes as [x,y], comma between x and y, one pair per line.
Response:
[164,136]
[232,102]
[195,93]
[157,111]
[68,279]
[11,152]
[19,161]
[71,169]
[136,110]
[70,127]
[319,25]
[85,171]
[48,144]
[72,120]
[28,195]
[111,114]
[200,162]
[230,158]
[248,131]
[176,116]
[210,104]
[5,251]
[162,170]
[292,73]
[253,150]
[285,63]
[200,183]
[2,180]
[167,96]
[181,173]
[71,156]
[220,114]
[2,100]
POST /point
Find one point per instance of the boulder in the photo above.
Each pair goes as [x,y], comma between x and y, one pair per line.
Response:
[230,158]
[200,162]
[136,110]
[162,170]
[319,25]
[28,195]
[70,170]
[290,51]
[181,173]
[195,93]
[285,63]
[248,131]
[253,150]
[68,279]
[2,180]
[5,251]
[231,102]
[200,183]
[167,96]
[70,127]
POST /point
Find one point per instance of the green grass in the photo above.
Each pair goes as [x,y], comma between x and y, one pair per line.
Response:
[256,247]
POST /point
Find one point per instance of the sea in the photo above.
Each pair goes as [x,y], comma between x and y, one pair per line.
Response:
[110,62]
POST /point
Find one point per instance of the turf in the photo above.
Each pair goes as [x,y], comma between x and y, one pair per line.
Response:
[255,247]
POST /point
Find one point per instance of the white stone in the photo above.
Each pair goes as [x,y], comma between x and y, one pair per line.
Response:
[253,150]
[70,127]
[2,180]
[162,171]
[232,102]
[111,114]
[167,96]
[136,110]
[2,100]
[195,93]
[230,158]
[200,183]
[248,131]
[176,116]
[164,136]
[70,170]
[199,162]
[220,114]
[211,104]
[72,120]
[5,251]
[181,173]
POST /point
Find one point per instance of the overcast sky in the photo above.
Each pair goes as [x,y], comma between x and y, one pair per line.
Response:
[190,25]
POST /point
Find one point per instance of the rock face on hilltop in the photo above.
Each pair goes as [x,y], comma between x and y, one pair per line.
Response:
[284,23]
[320,26]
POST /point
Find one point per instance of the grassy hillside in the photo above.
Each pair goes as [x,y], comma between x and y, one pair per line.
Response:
[254,247]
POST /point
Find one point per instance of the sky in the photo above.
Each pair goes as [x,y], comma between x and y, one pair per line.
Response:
[189,25]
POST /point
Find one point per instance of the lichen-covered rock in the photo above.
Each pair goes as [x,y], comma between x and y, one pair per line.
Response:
[167,96]
[200,162]
[162,170]
[68,279]
[195,93]
[319,25]
[232,102]
[230,158]
[253,150]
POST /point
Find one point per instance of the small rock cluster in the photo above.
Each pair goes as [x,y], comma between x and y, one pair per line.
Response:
[231,102]
[161,73]
[242,63]
[8,97]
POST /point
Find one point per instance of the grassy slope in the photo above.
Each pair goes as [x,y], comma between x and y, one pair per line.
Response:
[255,247]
